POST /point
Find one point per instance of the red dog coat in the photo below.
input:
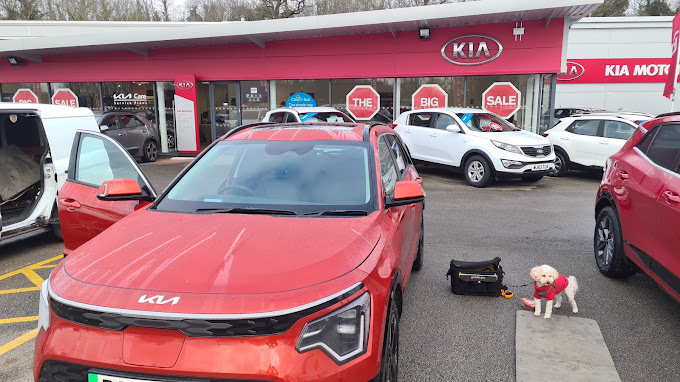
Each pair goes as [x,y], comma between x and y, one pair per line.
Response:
[549,291]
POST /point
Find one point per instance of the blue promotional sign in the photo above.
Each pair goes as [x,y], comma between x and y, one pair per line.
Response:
[300,100]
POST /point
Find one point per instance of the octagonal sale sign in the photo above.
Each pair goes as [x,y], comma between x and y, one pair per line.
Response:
[25,96]
[65,97]
[502,98]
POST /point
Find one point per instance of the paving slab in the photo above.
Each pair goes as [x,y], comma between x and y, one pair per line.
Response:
[561,348]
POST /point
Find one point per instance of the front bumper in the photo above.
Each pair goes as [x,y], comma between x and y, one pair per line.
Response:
[69,351]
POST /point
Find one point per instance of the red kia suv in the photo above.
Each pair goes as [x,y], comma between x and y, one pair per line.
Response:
[638,206]
[280,254]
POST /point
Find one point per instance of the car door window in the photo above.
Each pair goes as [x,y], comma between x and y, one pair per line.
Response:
[388,169]
[664,149]
[110,121]
[420,119]
[277,117]
[399,155]
[586,127]
[290,117]
[130,122]
[617,130]
[444,120]
[99,159]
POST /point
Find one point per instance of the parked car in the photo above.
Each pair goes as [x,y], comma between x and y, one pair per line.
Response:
[635,117]
[136,133]
[637,208]
[280,253]
[562,112]
[585,142]
[35,144]
[483,145]
[306,114]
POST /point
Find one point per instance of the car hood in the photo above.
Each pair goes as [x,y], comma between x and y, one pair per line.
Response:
[519,138]
[222,253]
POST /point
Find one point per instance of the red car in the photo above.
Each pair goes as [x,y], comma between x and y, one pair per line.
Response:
[280,254]
[638,206]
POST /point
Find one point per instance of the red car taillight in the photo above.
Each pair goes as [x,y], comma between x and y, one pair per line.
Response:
[545,134]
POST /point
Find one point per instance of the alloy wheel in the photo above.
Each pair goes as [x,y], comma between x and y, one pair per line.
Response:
[476,171]
[605,241]
[151,151]
[558,164]
[391,369]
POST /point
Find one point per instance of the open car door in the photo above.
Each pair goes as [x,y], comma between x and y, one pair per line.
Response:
[104,184]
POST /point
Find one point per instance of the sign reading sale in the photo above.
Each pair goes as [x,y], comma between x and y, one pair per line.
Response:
[502,98]
[65,97]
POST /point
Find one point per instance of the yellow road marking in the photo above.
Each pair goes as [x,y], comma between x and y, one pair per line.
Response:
[29,289]
[18,319]
[18,341]
[30,274]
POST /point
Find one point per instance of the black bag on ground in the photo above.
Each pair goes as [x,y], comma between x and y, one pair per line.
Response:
[479,278]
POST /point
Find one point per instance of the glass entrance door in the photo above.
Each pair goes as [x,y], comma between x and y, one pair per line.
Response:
[225,101]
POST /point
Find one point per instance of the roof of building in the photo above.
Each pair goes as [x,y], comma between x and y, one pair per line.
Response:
[32,40]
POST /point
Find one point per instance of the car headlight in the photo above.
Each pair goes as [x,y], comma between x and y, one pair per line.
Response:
[44,307]
[341,334]
[507,147]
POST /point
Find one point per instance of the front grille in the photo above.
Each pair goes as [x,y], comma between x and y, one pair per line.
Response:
[537,151]
[56,371]
[192,327]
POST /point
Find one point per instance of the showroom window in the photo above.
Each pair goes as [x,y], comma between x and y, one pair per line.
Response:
[318,89]
[165,92]
[453,87]
[384,86]
[254,101]
[87,93]
[39,89]
[137,97]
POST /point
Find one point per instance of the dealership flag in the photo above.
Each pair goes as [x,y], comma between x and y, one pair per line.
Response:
[669,89]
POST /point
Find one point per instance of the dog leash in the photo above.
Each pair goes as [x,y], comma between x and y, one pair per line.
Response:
[505,292]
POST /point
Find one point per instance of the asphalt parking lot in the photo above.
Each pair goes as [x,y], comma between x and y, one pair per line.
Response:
[446,337]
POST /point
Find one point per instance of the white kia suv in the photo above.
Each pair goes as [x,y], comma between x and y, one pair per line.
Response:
[483,145]
[586,141]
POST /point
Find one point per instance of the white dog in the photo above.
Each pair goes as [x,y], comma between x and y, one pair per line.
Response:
[549,284]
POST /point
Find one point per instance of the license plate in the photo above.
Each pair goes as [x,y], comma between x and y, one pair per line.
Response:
[541,167]
[91,377]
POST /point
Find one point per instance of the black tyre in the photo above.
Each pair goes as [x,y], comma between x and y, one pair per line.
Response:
[150,151]
[532,178]
[478,172]
[56,227]
[389,365]
[418,262]
[561,164]
[608,246]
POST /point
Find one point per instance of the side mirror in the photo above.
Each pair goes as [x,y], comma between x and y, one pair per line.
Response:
[120,189]
[406,192]
[453,128]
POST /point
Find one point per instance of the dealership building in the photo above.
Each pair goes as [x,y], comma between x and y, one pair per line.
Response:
[196,81]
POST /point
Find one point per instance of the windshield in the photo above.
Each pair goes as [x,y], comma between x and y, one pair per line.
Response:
[485,122]
[295,177]
[328,116]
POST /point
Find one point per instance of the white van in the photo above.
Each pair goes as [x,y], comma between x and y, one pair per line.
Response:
[35,146]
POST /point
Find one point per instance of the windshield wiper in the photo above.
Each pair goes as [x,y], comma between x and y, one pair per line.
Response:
[246,210]
[337,213]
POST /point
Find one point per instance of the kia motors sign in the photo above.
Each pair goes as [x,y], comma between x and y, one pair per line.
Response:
[472,49]
[430,95]
[501,98]
[184,85]
[25,96]
[65,97]
[574,71]
[363,102]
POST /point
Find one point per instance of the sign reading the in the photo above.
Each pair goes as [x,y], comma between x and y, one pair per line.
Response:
[65,97]
[300,100]
[501,98]
[25,96]
[429,96]
[363,102]
[472,49]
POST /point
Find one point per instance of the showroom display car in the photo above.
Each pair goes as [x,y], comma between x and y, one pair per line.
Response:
[637,209]
[279,254]
[481,144]
[35,143]
[585,142]
[133,131]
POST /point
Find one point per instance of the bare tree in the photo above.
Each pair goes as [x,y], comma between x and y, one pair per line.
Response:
[279,9]
[22,9]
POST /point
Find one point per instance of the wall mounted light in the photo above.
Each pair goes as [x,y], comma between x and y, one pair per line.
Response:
[13,61]
[424,33]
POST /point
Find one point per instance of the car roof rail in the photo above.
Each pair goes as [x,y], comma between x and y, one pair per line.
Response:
[367,129]
[243,127]
[668,114]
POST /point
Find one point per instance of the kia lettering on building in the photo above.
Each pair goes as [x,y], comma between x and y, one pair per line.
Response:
[471,49]
[574,71]
[184,85]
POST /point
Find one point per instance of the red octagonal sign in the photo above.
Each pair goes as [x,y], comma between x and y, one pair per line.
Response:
[363,102]
[65,97]
[502,98]
[25,96]
[429,96]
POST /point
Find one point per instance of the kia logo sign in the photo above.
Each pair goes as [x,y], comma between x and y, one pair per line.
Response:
[472,49]
[184,85]
[574,71]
